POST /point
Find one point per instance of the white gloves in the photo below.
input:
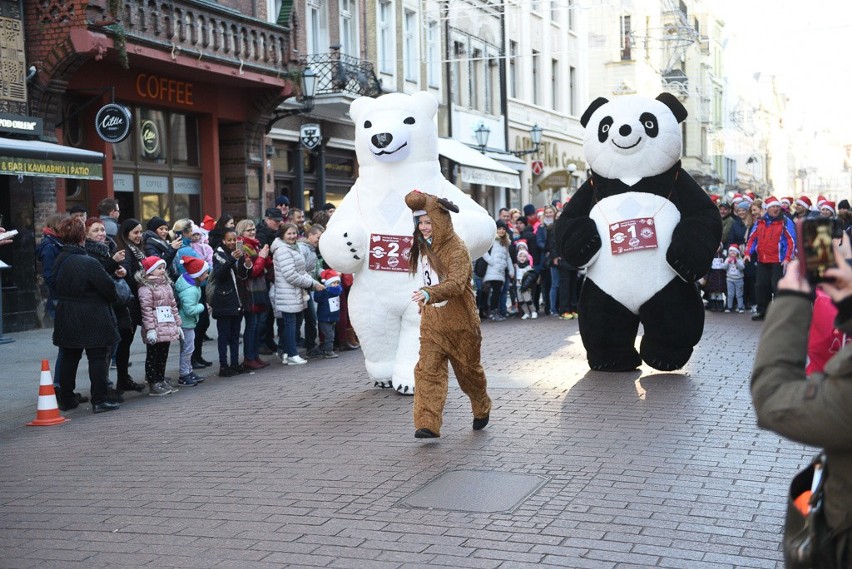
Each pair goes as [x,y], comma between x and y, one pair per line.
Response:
[180,333]
[151,336]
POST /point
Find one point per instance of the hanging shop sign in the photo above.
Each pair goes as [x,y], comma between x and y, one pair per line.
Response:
[310,135]
[113,122]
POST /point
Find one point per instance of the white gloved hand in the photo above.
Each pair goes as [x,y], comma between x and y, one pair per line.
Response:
[151,336]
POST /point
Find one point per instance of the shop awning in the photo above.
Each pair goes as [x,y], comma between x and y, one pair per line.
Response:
[477,168]
[37,158]
[508,160]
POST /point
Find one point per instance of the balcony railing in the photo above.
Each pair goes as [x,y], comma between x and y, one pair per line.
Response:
[338,73]
[192,27]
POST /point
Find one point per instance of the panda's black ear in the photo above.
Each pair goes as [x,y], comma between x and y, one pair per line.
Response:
[677,109]
[596,104]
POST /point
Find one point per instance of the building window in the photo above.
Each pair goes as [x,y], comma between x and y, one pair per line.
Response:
[625,38]
[273,10]
[513,70]
[433,54]
[554,84]
[458,54]
[572,91]
[349,28]
[411,55]
[475,69]
[572,6]
[536,96]
[535,5]
[491,69]
[387,57]
[317,16]
[554,11]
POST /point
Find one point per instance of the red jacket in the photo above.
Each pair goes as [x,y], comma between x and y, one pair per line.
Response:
[772,239]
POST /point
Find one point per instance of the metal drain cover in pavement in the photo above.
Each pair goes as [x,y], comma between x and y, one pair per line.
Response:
[476,491]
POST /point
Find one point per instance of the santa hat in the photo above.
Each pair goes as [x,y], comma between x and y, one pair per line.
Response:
[714,198]
[821,200]
[194,266]
[330,277]
[787,201]
[771,201]
[522,244]
[151,263]
[749,197]
[804,201]
[737,198]
[829,205]
[734,249]
[208,223]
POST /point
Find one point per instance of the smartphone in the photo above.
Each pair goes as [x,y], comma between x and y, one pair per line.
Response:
[816,249]
[8,234]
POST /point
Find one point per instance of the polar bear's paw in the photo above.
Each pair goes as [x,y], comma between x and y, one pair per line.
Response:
[404,387]
[383,383]
[356,245]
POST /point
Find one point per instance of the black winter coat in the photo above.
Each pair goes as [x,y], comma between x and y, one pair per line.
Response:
[156,247]
[225,300]
[133,266]
[265,235]
[84,316]
[102,253]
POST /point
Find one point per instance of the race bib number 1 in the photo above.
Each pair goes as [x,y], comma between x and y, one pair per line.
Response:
[390,252]
[632,235]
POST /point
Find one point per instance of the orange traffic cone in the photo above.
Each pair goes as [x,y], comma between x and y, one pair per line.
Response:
[48,410]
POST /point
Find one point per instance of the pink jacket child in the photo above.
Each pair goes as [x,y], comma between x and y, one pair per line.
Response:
[824,340]
[200,246]
[160,319]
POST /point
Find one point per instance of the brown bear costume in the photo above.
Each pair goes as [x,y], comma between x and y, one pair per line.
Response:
[449,322]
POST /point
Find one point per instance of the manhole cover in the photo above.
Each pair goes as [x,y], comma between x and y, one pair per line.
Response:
[476,491]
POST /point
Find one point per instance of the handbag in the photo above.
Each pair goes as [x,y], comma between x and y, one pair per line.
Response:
[122,289]
[808,542]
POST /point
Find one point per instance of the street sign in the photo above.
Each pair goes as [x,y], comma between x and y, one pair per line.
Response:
[537,167]
[112,122]
[310,135]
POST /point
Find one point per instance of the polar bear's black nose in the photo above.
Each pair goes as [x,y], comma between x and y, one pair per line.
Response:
[382,140]
[625,130]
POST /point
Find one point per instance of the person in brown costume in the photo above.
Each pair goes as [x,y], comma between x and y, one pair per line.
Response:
[449,322]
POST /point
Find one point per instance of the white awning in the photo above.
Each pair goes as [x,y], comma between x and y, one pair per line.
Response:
[477,168]
[508,160]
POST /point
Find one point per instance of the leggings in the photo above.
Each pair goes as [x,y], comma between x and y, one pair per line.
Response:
[156,356]
[122,353]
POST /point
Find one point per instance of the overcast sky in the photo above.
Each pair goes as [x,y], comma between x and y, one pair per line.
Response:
[805,44]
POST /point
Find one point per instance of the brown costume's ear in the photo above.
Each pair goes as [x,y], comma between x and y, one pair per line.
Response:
[415,200]
[448,205]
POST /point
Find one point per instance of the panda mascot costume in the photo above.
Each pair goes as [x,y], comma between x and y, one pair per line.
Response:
[644,230]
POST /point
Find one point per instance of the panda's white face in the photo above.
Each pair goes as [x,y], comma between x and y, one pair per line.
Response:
[632,137]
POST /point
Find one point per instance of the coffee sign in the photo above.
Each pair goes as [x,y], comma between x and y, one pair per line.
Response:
[150,137]
[112,122]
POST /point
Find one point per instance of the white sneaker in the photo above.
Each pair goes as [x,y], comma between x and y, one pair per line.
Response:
[296,360]
[727,311]
[534,315]
[525,316]
[740,311]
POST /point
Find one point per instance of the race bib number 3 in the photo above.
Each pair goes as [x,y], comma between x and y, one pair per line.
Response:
[632,235]
[390,252]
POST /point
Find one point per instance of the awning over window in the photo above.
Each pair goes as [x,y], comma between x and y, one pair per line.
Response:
[477,168]
[37,158]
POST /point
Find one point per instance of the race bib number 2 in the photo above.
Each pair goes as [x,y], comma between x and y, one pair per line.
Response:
[390,252]
[632,235]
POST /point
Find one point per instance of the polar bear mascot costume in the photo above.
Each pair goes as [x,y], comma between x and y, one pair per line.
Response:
[370,233]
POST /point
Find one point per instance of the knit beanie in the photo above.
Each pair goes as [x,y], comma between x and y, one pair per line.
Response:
[156,222]
[529,210]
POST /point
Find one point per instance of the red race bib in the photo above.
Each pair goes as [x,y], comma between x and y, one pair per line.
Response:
[632,235]
[390,252]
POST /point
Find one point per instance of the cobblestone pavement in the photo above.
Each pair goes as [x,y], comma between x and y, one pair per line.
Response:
[311,466]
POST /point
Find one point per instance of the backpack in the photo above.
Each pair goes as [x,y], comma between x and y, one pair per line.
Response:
[480,266]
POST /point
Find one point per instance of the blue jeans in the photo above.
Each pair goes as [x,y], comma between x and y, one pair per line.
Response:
[287,334]
[554,289]
[251,343]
